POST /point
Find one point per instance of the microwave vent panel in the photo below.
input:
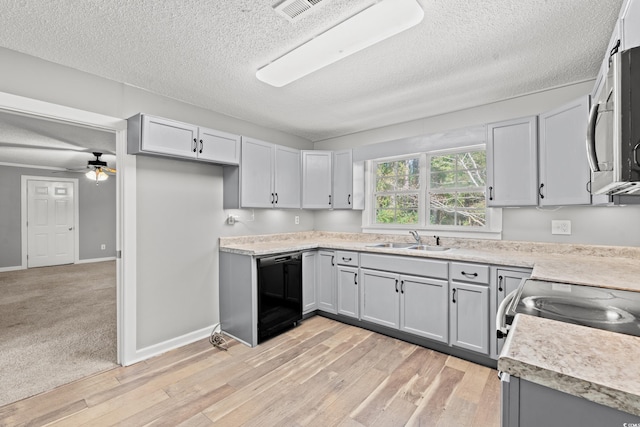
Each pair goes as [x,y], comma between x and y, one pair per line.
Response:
[294,10]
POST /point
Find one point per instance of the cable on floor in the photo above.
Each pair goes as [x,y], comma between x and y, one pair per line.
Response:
[217,339]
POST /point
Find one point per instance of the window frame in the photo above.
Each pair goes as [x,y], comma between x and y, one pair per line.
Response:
[492,229]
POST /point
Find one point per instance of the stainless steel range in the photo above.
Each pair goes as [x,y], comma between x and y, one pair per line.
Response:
[602,308]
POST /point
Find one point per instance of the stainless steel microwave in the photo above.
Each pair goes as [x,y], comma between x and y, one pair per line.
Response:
[613,133]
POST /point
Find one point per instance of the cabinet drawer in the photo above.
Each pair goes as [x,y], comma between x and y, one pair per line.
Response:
[347,258]
[472,273]
[406,265]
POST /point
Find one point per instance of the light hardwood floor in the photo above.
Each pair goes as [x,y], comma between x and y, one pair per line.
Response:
[322,373]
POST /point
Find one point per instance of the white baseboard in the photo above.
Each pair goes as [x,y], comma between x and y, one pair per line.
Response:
[87,261]
[17,267]
[173,343]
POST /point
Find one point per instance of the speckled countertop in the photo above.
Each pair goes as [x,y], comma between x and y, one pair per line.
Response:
[604,266]
[597,365]
[594,364]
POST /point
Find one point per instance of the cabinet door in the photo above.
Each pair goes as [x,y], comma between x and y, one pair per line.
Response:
[256,171]
[506,282]
[564,170]
[309,292]
[512,163]
[287,177]
[342,180]
[380,298]
[348,291]
[424,307]
[217,146]
[165,136]
[469,316]
[630,27]
[316,179]
[326,282]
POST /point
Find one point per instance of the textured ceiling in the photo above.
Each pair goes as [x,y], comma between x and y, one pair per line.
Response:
[33,141]
[464,53]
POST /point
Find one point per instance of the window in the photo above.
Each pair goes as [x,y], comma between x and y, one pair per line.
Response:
[443,190]
[456,194]
[397,191]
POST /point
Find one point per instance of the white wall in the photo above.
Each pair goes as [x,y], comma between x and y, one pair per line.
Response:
[179,203]
[618,226]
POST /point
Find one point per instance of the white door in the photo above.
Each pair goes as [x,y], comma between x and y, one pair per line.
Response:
[50,223]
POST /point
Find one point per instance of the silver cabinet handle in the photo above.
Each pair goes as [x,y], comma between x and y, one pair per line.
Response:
[591,138]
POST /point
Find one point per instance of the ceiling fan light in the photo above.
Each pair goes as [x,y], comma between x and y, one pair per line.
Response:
[374,24]
[96,176]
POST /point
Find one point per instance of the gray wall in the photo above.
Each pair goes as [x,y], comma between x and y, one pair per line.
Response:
[605,225]
[96,206]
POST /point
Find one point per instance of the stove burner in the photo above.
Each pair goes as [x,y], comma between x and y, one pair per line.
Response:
[578,309]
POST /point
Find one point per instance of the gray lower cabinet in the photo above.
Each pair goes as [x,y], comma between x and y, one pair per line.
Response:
[506,281]
[469,316]
[326,281]
[347,291]
[380,298]
[424,307]
[526,404]
[309,289]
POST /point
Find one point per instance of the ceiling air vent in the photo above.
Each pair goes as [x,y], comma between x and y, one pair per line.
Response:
[293,10]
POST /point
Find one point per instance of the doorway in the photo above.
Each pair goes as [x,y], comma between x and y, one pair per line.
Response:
[82,120]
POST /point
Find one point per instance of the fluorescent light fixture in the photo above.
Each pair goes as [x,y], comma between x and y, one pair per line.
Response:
[99,176]
[374,24]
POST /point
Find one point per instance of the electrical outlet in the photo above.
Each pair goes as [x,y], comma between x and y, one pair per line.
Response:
[561,226]
[103,247]
[296,219]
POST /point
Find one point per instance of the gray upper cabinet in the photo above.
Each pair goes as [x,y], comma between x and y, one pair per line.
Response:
[164,137]
[630,28]
[256,174]
[346,190]
[269,176]
[287,177]
[512,163]
[564,171]
[218,147]
[326,281]
[379,298]
[316,179]
[424,307]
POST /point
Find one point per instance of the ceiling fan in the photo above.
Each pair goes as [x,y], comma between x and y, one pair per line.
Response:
[98,169]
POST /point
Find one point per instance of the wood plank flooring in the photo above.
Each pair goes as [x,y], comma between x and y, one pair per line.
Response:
[322,373]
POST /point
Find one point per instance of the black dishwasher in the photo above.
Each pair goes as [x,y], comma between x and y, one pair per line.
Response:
[279,293]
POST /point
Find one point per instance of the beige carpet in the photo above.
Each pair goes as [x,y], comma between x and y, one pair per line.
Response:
[57,324]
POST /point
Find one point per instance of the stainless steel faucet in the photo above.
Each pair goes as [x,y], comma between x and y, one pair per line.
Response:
[416,236]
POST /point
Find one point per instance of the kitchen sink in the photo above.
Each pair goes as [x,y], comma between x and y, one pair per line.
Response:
[428,248]
[392,245]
